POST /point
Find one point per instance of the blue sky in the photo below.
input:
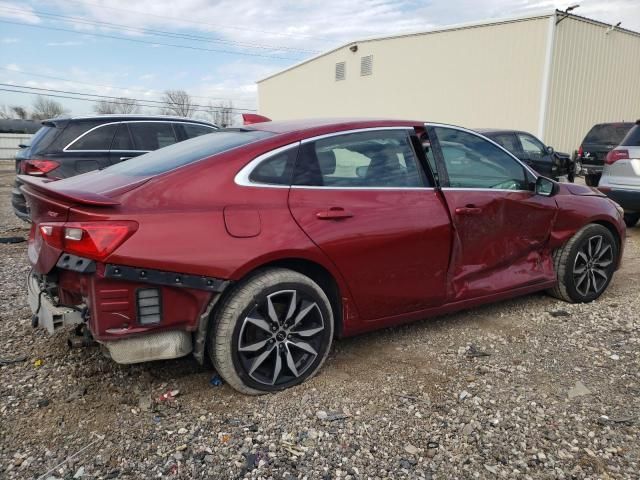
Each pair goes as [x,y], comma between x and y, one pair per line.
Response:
[68,45]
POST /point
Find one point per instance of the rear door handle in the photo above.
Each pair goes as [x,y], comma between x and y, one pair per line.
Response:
[468,210]
[334,213]
[125,158]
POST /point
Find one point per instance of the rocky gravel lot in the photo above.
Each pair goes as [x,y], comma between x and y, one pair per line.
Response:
[528,388]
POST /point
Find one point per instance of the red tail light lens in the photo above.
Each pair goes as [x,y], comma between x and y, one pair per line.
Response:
[580,151]
[39,167]
[95,240]
[615,155]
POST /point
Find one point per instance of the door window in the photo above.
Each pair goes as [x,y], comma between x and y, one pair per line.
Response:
[365,160]
[474,162]
[508,141]
[97,139]
[149,136]
[532,147]
[192,130]
[275,170]
[122,140]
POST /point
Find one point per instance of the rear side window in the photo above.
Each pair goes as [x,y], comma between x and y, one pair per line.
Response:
[191,130]
[508,141]
[275,170]
[608,133]
[97,139]
[184,153]
[122,139]
[43,138]
[632,139]
[152,135]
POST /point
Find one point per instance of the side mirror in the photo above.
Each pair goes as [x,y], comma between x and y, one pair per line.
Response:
[545,187]
[550,150]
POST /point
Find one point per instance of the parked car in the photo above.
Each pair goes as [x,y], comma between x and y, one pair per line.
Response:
[543,159]
[593,150]
[257,246]
[621,175]
[68,146]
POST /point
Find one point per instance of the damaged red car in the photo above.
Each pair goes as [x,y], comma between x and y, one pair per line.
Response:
[257,246]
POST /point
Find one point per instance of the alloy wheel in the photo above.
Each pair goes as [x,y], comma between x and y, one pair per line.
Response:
[281,337]
[591,267]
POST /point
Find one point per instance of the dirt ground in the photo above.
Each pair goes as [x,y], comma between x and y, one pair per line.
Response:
[527,388]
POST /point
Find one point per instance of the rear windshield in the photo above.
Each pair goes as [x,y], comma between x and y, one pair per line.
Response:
[632,138]
[43,138]
[608,133]
[183,153]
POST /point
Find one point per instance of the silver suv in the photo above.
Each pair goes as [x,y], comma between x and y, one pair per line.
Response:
[620,179]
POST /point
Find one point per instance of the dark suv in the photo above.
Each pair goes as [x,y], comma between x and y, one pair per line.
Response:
[601,139]
[65,146]
[527,148]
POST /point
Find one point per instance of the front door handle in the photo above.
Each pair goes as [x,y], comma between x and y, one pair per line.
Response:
[125,158]
[468,210]
[334,213]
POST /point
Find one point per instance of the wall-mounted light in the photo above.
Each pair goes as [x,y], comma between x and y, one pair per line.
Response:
[612,28]
[353,48]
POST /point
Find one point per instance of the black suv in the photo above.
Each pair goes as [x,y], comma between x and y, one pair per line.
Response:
[65,146]
[601,139]
[527,148]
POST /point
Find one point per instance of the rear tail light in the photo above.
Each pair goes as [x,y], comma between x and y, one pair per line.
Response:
[39,167]
[94,240]
[615,155]
[580,151]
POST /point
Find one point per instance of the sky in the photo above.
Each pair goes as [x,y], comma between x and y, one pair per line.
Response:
[215,50]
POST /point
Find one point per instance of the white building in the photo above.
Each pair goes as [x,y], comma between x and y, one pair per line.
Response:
[552,74]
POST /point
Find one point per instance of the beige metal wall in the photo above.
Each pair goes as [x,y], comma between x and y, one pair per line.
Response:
[484,76]
[595,77]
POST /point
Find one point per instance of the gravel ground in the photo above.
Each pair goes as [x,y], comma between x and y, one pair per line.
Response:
[528,388]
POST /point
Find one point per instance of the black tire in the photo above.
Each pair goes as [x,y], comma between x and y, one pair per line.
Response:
[631,219]
[289,353]
[592,179]
[584,276]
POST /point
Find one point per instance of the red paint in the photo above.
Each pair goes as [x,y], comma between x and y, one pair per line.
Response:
[395,255]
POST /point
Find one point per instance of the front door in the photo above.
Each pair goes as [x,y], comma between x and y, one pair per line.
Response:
[366,202]
[501,225]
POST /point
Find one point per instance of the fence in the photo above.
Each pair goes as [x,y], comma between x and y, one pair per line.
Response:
[9,144]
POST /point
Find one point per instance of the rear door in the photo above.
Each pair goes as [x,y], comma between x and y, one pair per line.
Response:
[140,137]
[501,225]
[363,198]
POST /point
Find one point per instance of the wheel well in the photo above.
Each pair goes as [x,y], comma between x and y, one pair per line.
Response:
[318,274]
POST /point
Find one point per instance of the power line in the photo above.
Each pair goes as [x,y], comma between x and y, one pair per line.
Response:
[142,90]
[197,22]
[101,96]
[159,33]
[115,37]
[116,100]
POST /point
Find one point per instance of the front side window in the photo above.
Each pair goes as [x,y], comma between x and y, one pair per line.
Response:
[531,146]
[122,139]
[364,159]
[507,141]
[97,139]
[474,162]
[152,135]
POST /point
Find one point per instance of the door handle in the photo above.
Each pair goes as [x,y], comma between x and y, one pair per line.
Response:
[334,213]
[125,158]
[468,210]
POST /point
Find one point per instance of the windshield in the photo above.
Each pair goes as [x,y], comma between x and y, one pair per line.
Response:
[608,133]
[183,153]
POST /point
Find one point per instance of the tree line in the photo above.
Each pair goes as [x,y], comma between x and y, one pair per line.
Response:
[174,102]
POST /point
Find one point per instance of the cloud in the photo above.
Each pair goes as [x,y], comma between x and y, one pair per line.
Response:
[64,44]
[13,67]
[19,12]
[7,40]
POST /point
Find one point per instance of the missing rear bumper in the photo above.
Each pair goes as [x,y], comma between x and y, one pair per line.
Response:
[50,316]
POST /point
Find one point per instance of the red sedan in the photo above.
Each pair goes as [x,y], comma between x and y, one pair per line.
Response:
[257,246]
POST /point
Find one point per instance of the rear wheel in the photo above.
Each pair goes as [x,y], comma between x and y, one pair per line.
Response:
[272,332]
[585,264]
[630,219]
[592,179]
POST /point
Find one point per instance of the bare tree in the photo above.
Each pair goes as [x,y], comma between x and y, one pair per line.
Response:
[20,112]
[178,102]
[119,105]
[44,108]
[5,112]
[221,113]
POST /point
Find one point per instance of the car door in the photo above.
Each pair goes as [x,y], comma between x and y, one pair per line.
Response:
[501,226]
[535,154]
[90,150]
[144,136]
[367,203]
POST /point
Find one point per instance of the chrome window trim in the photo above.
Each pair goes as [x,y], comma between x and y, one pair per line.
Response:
[322,187]
[356,130]
[66,149]
[472,132]
[483,189]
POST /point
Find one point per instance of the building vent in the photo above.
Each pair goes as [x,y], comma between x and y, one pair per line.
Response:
[366,65]
[149,306]
[340,71]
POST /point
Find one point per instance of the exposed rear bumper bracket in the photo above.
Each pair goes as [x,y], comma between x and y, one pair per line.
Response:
[160,277]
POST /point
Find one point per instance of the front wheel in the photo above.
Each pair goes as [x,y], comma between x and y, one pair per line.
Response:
[592,179]
[585,264]
[272,332]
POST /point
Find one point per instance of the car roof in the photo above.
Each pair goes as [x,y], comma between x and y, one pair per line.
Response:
[328,125]
[123,117]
